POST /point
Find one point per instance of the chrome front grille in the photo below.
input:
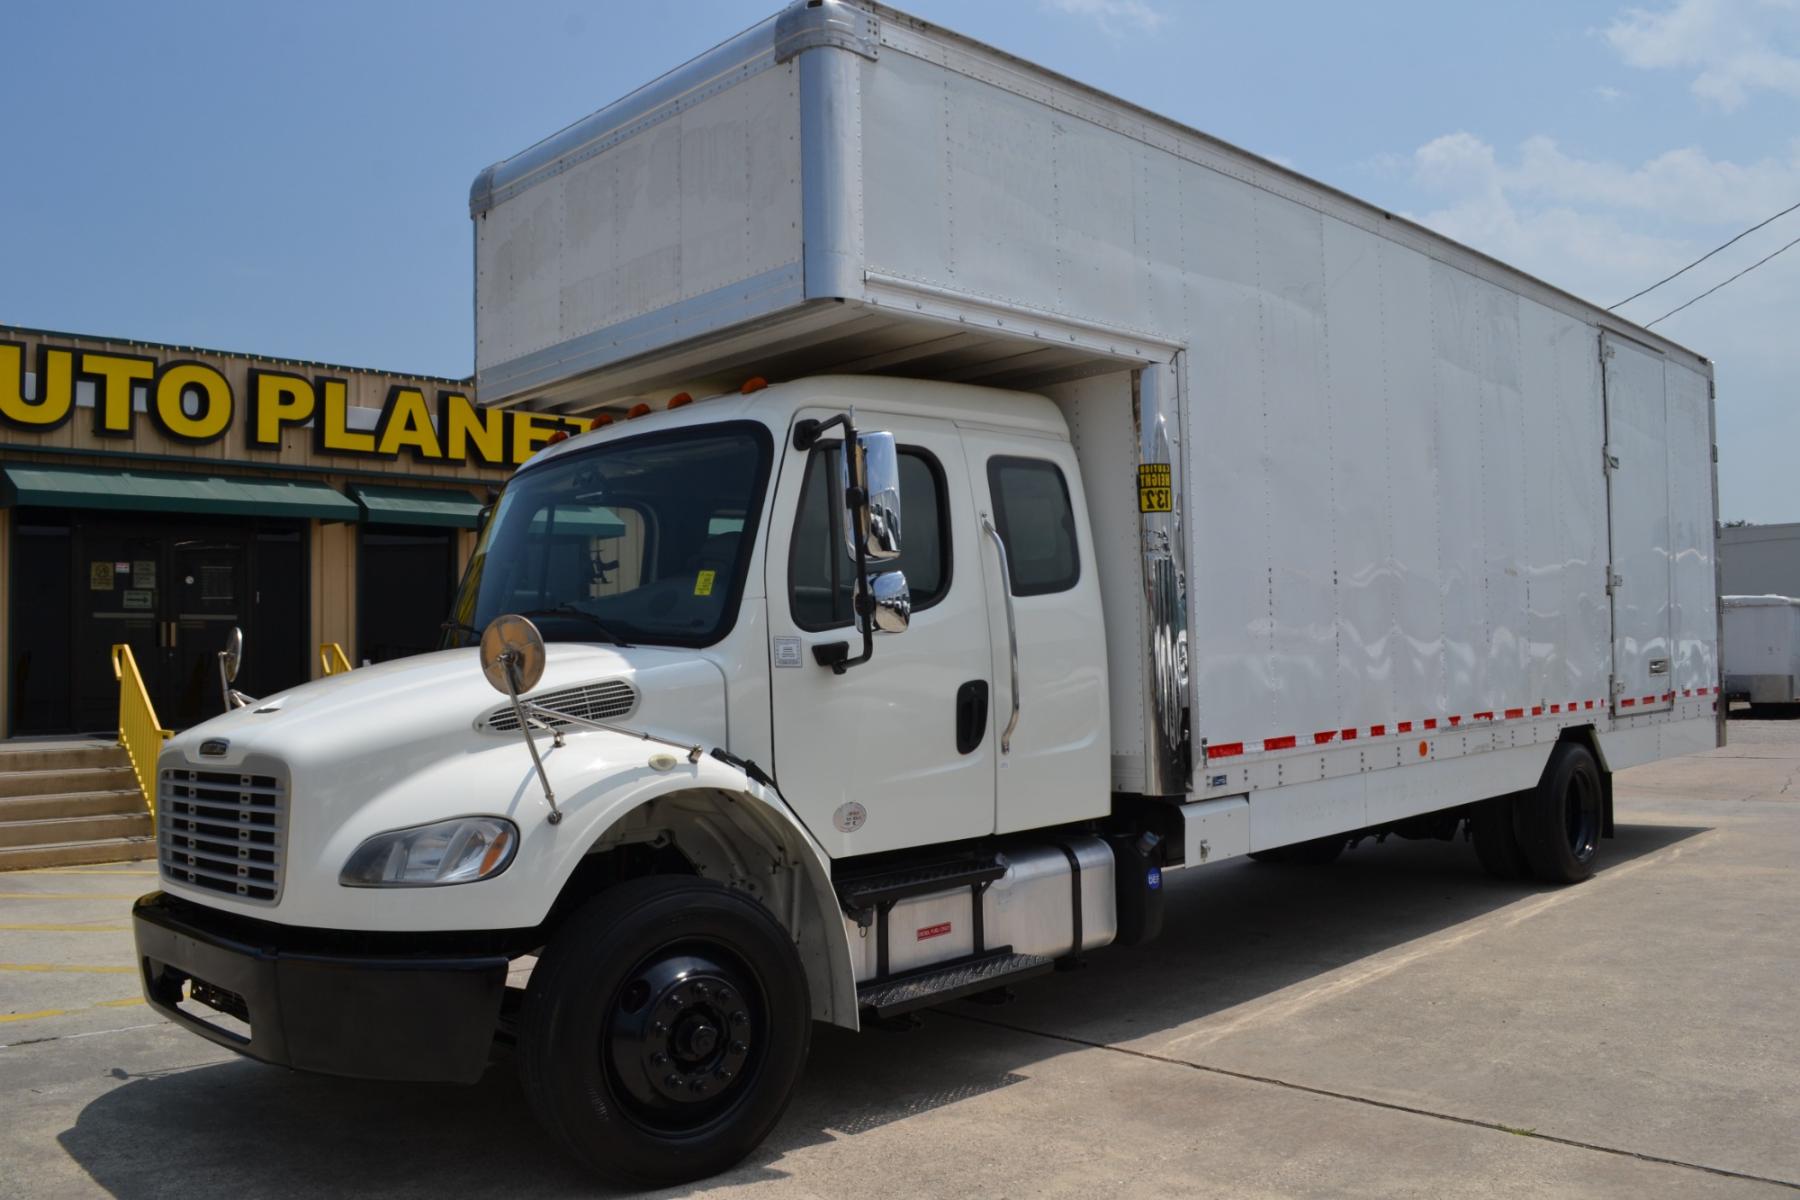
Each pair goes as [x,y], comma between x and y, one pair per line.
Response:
[608,700]
[223,830]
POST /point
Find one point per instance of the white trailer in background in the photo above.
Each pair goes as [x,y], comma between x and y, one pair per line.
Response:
[1762,649]
[1274,521]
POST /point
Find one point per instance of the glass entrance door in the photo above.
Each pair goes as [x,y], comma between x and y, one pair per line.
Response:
[173,598]
[204,600]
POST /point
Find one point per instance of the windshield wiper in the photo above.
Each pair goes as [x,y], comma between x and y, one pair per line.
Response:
[569,610]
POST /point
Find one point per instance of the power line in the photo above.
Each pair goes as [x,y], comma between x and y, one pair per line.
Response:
[1715,287]
[1627,300]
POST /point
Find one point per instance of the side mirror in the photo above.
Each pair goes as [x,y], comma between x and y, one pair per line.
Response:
[232,657]
[875,528]
[893,602]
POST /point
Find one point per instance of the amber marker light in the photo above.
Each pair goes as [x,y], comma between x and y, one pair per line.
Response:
[679,399]
[636,411]
[755,383]
[601,421]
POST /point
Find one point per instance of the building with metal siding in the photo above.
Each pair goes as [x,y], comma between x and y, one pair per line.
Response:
[1760,560]
[157,495]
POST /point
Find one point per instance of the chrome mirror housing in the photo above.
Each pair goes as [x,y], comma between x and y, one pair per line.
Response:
[893,602]
[875,529]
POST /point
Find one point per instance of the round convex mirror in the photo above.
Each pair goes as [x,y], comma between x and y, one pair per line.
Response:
[512,646]
[233,654]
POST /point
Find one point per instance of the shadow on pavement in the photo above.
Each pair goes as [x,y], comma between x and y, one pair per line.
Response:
[1236,932]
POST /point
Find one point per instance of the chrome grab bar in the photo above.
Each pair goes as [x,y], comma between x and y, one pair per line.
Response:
[1012,631]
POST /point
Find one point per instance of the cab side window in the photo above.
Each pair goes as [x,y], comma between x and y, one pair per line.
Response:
[1037,522]
[821,572]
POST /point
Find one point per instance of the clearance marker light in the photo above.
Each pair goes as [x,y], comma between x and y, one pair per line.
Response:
[636,411]
[679,399]
[561,435]
[755,383]
[601,421]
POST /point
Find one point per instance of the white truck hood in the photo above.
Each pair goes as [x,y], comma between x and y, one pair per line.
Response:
[407,743]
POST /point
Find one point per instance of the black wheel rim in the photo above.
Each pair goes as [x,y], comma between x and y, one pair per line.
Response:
[683,1038]
[1581,816]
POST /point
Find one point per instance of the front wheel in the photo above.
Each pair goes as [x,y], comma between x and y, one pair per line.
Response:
[664,1029]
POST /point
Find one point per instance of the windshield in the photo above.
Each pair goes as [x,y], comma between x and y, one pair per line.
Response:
[641,540]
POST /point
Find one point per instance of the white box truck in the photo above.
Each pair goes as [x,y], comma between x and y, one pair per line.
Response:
[1762,650]
[1117,502]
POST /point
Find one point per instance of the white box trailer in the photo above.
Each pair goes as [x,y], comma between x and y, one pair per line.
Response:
[1195,510]
[1762,649]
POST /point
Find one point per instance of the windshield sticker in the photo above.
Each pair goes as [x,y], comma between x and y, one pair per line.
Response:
[703,583]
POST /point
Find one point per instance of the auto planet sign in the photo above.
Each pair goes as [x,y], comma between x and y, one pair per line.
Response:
[191,401]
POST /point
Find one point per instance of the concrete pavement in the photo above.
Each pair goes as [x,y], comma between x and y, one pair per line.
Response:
[1393,1025]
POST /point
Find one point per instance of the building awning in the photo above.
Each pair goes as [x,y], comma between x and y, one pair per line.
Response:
[417,506]
[147,491]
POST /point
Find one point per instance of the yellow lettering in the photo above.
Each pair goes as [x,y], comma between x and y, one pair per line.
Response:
[115,376]
[331,434]
[277,400]
[174,384]
[55,387]
[466,428]
[406,424]
[532,431]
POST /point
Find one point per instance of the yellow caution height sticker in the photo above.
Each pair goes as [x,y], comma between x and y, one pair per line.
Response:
[703,583]
[1155,493]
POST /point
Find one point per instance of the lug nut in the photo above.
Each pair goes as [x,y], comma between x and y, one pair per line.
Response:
[659,1027]
[724,1075]
[739,1048]
[673,1081]
[661,1060]
[700,990]
[739,1017]
[723,995]
[699,1085]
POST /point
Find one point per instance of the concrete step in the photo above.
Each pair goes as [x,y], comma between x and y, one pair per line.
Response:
[123,801]
[60,756]
[55,831]
[69,854]
[61,782]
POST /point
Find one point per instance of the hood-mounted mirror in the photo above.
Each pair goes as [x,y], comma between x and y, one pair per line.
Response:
[512,658]
[512,654]
[230,659]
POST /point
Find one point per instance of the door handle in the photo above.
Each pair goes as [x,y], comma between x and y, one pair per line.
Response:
[971,715]
[1012,631]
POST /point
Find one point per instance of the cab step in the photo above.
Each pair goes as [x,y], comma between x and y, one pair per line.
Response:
[883,998]
[863,892]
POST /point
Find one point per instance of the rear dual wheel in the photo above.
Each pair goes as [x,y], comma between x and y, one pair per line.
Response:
[664,1029]
[1552,831]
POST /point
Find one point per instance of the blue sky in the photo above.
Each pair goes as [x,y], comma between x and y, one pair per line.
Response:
[293,180]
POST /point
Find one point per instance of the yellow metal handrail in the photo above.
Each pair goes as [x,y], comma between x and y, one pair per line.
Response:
[139,733]
[332,660]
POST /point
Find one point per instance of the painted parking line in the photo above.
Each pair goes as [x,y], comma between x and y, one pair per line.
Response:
[68,968]
[42,1013]
[74,871]
[88,928]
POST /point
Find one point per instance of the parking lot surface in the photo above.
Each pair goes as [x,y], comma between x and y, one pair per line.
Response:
[1394,1025]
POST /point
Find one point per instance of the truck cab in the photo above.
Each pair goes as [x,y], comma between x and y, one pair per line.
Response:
[729,699]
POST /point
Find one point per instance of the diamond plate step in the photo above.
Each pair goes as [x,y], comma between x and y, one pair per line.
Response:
[951,981]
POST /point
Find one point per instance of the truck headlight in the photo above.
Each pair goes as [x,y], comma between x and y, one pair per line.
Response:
[459,851]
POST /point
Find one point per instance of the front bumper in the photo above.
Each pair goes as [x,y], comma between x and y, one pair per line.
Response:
[426,1018]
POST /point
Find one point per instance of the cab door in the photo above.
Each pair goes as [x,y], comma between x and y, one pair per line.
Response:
[1054,765]
[898,751]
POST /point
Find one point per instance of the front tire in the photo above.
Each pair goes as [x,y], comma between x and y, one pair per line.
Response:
[664,1029]
[1558,823]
